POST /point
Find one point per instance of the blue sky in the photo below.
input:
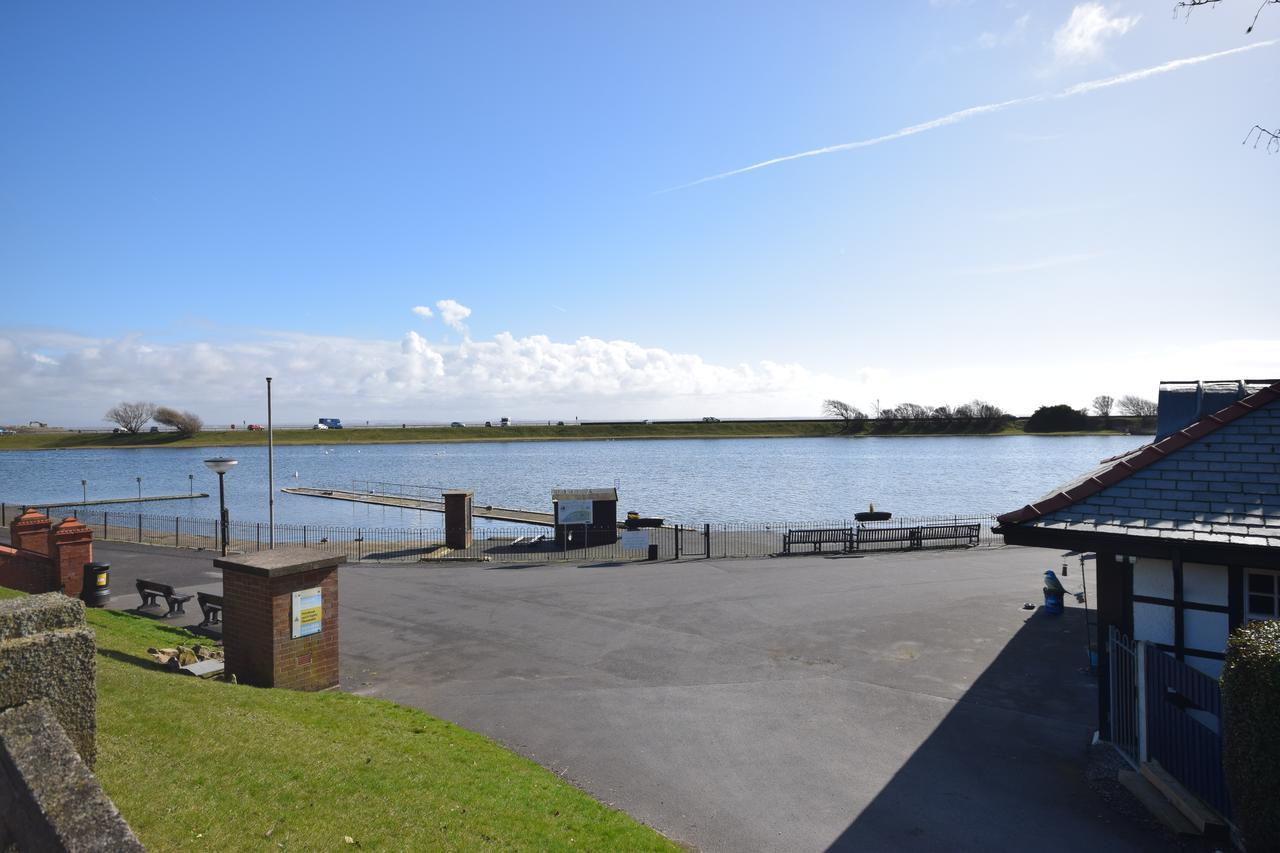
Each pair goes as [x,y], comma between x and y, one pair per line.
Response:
[195,196]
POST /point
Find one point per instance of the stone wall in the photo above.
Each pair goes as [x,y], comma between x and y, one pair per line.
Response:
[47,652]
[49,799]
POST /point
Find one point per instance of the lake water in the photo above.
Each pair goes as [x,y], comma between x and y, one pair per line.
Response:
[688,481]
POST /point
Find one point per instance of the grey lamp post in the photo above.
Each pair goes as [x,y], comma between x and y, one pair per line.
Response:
[271,476]
[191,485]
[84,489]
[139,479]
[220,465]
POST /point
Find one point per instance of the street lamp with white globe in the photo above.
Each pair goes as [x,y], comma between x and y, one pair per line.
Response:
[220,465]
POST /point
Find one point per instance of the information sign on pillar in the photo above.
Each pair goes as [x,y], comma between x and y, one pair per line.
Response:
[280,618]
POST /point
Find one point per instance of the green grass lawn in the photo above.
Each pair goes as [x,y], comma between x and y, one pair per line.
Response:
[197,764]
[391,435]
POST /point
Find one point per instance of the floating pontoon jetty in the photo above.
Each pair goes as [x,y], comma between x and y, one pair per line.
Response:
[493,513]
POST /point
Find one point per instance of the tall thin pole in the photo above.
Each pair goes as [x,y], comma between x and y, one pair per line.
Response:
[222,513]
[271,475]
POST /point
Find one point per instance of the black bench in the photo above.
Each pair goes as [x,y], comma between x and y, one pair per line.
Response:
[211,607]
[915,537]
[967,532]
[150,591]
[817,537]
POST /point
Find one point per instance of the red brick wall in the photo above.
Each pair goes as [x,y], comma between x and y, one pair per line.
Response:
[25,571]
[246,628]
[28,565]
[257,631]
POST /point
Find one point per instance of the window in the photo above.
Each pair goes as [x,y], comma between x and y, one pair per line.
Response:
[1261,595]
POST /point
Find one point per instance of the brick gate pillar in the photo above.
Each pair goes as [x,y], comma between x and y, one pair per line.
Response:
[457,518]
[30,532]
[280,618]
[70,547]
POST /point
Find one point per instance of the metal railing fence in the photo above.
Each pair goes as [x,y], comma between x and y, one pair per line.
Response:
[1125,710]
[506,543]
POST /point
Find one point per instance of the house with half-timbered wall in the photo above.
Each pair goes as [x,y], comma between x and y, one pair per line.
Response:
[1186,532]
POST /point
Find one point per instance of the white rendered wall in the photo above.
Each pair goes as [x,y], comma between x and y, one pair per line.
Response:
[1207,631]
[1204,583]
[1153,623]
[1153,577]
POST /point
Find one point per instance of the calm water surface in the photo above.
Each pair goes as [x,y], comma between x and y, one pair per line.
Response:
[692,481]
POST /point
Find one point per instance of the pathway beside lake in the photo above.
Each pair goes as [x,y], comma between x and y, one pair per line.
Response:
[900,702]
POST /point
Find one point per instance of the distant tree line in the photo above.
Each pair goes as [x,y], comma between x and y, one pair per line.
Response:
[976,410]
[1133,406]
[1056,418]
[132,417]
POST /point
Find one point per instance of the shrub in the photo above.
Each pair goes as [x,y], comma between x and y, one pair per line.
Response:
[185,423]
[1059,418]
[1251,732]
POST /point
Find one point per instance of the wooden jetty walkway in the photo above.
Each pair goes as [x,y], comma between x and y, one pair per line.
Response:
[493,513]
[135,500]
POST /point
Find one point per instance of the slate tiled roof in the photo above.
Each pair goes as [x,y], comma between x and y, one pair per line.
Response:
[1217,480]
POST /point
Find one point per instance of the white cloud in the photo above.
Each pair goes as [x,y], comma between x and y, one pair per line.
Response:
[1081,38]
[1037,265]
[1014,35]
[412,378]
[453,314]
[423,311]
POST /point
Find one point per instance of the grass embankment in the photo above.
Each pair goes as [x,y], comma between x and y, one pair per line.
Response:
[204,764]
[393,435]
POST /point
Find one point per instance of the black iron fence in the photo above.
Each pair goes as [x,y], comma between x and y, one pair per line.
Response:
[521,544]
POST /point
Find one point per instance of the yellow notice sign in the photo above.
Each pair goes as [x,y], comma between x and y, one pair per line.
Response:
[307,612]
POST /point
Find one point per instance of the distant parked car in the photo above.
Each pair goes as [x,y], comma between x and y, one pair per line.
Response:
[457,424]
[256,427]
[116,429]
[155,429]
[319,426]
[710,420]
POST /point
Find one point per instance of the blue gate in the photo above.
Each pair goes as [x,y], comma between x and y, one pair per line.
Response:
[1184,726]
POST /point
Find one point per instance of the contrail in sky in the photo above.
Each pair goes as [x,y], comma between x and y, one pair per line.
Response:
[962,115]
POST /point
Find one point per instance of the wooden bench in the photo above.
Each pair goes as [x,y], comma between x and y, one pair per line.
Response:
[211,607]
[817,537]
[915,537]
[150,591]
[967,532]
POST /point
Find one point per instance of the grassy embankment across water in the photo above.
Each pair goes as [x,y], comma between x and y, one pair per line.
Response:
[67,440]
[195,764]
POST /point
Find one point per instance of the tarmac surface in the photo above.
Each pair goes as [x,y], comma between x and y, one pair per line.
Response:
[895,702]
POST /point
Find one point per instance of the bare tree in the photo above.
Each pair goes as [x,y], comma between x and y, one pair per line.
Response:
[1102,405]
[130,417]
[980,410]
[1138,407]
[944,411]
[1259,134]
[186,423]
[914,411]
[841,409]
